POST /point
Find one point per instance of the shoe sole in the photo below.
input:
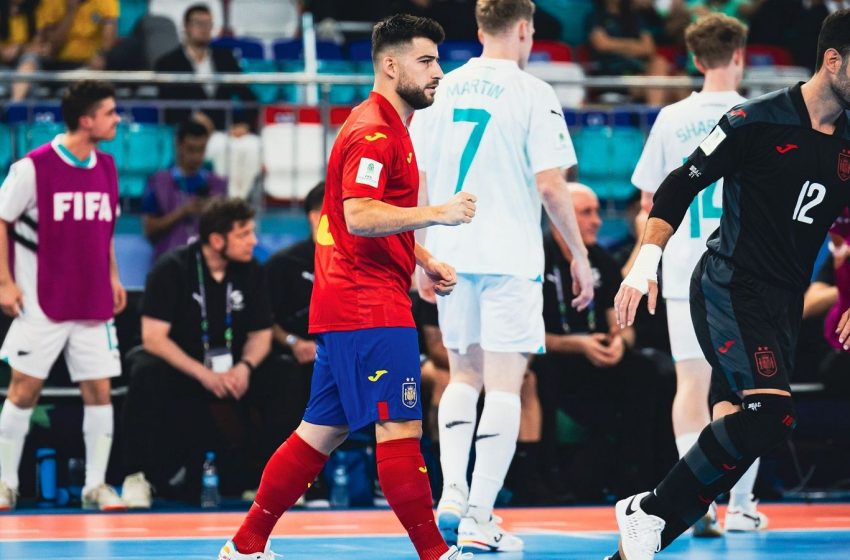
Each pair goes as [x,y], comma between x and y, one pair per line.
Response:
[447,523]
[484,547]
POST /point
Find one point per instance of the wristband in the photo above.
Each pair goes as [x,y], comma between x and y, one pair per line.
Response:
[291,339]
[248,364]
[645,268]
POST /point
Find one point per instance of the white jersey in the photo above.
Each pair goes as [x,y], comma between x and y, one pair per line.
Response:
[677,132]
[18,206]
[491,128]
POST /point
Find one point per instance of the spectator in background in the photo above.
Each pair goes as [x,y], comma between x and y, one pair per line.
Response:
[739,9]
[175,197]
[196,56]
[202,381]
[623,46]
[21,44]
[592,372]
[78,33]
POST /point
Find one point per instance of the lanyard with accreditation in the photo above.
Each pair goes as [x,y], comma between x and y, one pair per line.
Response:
[220,360]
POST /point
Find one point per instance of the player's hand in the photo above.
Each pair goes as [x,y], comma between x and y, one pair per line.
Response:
[582,283]
[459,210]
[11,299]
[237,380]
[595,348]
[843,330]
[441,275]
[627,300]
[195,205]
[424,286]
[215,383]
[119,296]
[304,351]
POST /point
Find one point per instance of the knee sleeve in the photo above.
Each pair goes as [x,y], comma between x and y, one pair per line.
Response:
[764,422]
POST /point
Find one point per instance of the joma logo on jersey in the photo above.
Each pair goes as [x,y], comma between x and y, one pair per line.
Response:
[88,207]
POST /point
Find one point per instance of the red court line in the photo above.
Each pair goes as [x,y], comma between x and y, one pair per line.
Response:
[369,522]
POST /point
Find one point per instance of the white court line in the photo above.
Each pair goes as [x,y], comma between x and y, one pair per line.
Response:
[330,527]
[120,530]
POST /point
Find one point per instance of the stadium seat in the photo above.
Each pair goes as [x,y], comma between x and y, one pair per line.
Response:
[134,254]
[266,93]
[459,51]
[131,12]
[5,147]
[291,50]
[131,185]
[340,94]
[568,95]
[292,157]
[117,147]
[264,19]
[551,51]
[32,135]
[174,10]
[768,55]
[625,148]
[243,47]
[360,51]
[792,74]
[573,15]
[591,144]
[149,148]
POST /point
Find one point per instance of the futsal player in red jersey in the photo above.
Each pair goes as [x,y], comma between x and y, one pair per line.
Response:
[367,356]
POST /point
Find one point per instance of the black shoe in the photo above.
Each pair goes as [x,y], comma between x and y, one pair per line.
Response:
[316,496]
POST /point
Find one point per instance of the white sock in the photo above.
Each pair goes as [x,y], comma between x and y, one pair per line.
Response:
[97,434]
[685,441]
[456,416]
[741,494]
[495,443]
[14,426]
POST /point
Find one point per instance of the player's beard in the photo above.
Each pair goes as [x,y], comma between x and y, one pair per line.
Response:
[413,95]
[841,87]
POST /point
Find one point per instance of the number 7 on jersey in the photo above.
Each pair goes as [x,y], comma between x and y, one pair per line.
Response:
[480,117]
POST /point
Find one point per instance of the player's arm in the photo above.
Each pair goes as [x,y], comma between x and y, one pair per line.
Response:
[718,155]
[11,298]
[257,346]
[369,217]
[16,194]
[558,203]
[119,294]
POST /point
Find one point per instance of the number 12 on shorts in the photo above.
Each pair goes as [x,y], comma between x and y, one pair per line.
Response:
[480,118]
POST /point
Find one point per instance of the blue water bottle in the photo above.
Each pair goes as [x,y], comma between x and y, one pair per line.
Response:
[339,489]
[210,497]
[45,476]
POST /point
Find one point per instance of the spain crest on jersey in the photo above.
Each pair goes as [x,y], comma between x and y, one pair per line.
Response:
[844,165]
[765,362]
[408,393]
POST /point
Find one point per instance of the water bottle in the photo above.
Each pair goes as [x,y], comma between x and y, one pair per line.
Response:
[76,478]
[339,488]
[210,497]
[45,476]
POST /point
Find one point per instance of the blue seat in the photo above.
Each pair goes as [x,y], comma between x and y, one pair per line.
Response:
[132,185]
[360,51]
[242,47]
[459,51]
[32,135]
[139,113]
[149,148]
[340,94]
[5,147]
[364,68]
[131,12]
[625,149]
[134,254]
[266,93]
[117,147]
[294,50]
[591,144]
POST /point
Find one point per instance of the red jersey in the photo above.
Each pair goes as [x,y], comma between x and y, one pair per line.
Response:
[363,282]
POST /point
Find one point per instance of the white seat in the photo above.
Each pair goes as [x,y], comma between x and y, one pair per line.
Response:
[292,156]
[264,19]
[174,9]
[792,74]
[569,96]
[238,159]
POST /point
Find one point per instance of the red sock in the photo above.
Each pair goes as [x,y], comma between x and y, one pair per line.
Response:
[288,474]
[404,480]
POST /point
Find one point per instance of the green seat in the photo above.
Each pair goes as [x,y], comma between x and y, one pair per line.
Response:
[150,148]
[131,185]
[6,154]
[117,147]
[266,93]
[32,135]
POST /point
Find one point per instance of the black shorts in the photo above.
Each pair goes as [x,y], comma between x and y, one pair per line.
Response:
[746,328]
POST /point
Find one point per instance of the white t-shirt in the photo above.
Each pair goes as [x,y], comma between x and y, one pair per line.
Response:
[491,128]
[17,200]
[677,132]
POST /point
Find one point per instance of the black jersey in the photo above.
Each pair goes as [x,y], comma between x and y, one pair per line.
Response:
[784,184]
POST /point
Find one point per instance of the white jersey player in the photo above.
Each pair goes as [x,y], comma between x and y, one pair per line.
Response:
[499,133]
[717,43]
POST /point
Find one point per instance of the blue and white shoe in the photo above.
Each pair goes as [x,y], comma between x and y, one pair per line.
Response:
[487,537]
[229,552]
[454,554]
[450,510]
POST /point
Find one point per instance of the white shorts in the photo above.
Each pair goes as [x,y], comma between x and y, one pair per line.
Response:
[90,347]
[499,312]
[683,339]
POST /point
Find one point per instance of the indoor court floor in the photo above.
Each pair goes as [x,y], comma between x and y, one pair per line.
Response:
[798,532]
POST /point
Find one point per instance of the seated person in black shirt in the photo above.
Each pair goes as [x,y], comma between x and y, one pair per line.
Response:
[202,382]
[591,372]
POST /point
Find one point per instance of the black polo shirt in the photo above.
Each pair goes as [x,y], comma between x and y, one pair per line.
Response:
[172,295]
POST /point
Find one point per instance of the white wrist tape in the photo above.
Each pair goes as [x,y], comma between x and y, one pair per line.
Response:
[645,268]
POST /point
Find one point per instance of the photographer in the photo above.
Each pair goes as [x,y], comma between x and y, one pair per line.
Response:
[175,197]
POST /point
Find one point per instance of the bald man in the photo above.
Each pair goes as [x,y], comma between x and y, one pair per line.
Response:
[590,370]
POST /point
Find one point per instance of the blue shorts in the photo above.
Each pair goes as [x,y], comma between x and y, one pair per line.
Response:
[365,376]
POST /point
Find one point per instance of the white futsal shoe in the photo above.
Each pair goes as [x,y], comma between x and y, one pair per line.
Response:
[136,491]
[454,554]
[229,552]
[488,537]
[8,497]
[708,526]
[640,533]
[452,507]
[745,519]
[104,498]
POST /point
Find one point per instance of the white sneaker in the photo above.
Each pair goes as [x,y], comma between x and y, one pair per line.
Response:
[452,506]
[104,498]
[488,536]
[229,552]
[640,533]
[136,491]
[708,526]
[454,554]
[746,519]
[8,497]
